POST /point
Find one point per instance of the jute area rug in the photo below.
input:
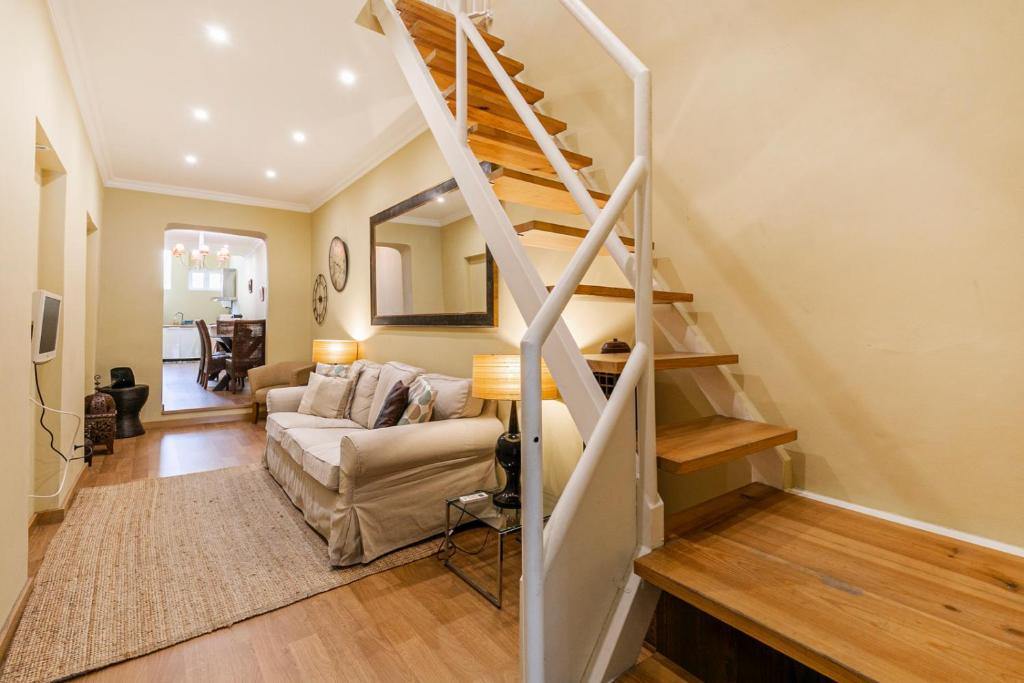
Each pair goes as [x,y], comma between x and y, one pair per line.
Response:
[137,567]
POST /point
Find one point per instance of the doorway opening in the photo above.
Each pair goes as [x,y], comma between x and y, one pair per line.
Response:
[214,318]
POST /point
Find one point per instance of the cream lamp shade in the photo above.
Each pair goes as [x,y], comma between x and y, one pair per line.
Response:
[335,351]
[496,377]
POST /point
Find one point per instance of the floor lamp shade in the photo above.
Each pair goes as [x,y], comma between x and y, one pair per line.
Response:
[496,377]
[335,351]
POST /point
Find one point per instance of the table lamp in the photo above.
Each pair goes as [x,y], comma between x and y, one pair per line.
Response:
[496,378]
[335,351]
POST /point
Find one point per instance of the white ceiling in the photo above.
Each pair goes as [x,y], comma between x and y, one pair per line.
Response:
[139,67]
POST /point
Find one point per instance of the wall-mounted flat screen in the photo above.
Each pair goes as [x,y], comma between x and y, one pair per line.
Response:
[45,325]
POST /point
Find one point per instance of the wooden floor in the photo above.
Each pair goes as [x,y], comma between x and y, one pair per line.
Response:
[181,392]
[415,623]
[851,596]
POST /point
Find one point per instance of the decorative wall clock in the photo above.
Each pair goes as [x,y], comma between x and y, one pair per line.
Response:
[337,263]
[320,299]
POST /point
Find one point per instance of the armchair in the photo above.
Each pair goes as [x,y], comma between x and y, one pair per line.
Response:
[262,379]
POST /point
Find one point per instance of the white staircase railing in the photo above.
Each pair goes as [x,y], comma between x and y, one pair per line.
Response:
[605,640]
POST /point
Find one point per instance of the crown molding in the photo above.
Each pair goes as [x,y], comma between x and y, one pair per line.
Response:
[80,85]
[409,126]
[193,193]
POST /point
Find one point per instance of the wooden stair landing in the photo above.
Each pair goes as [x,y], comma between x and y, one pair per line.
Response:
[614,363]
[518,187]
[853,597]
[628,294]
[709,441]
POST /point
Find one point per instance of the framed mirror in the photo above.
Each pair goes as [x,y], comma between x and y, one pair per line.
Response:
[429,264]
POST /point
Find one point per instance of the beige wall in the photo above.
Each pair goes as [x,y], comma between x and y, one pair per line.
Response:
[254,266]
[421,252]
[35,87]
[840,185]
[130,314]
[465,285]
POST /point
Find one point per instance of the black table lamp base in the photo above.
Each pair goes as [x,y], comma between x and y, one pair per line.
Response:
[507,451]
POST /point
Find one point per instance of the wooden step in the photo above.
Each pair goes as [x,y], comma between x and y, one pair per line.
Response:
[445,60]
[627,293]
[709,441]
[475,115]
[613,363]
[656,669]
[851,596]
[412,11]
[546,235]
[514,151]
[484,99]
[476,76]
[425,33]
[518,187]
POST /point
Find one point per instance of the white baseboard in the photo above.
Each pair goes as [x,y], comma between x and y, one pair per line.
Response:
[914,523]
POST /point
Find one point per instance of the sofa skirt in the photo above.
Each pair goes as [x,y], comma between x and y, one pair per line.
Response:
[374,517]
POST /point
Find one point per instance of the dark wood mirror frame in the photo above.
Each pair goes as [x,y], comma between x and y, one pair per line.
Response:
[488,318]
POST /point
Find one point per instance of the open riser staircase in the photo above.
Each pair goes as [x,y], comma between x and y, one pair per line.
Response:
[584,609]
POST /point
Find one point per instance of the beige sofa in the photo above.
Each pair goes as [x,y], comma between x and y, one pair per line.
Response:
[370,491]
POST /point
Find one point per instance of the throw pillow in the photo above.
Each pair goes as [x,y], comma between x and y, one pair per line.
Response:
[393,407]
[454,397]
[363,393]
[390,374]
[325,396]
[421,403]
[332,370]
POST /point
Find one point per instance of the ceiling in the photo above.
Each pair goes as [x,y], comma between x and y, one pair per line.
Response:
[139,68]
[238,245]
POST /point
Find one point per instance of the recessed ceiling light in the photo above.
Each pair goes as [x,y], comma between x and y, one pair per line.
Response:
[217,34]
[270,173]
[191,159]
[299,136]
[347,77]
[440,200]
[200,114]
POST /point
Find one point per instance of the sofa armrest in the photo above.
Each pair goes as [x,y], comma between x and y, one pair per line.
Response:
[284,400]
[289,372]
[374,452]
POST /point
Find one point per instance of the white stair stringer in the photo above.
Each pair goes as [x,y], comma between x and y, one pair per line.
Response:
[576,383]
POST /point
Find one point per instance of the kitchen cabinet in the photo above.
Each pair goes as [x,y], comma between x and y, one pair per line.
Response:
[181,342]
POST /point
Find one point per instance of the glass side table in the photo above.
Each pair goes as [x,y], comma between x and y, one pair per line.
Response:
[502,521]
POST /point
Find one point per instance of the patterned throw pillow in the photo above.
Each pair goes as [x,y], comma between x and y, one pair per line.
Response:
[332,370]
[325,396]
[421,403]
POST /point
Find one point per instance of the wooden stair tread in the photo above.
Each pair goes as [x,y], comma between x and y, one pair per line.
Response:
[656,669]
[613,363]
[519,187]
[708,441]
[478,77]
[514,151]
[412,11]
[482,98]
[545,235]
[475,115]
[627,293]
[852,596]
[425,33]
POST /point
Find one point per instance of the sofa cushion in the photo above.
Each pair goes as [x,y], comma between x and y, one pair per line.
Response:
[365,388]
[279,423]
[420,405]
[326,396]
[393,408]
[390,374]
[454,397]
[318,451]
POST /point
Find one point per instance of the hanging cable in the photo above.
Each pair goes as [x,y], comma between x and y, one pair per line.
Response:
[78,427]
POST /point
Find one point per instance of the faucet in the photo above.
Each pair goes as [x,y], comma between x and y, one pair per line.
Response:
[179,318]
